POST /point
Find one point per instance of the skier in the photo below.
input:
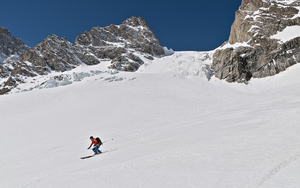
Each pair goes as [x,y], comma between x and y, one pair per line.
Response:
[97,142]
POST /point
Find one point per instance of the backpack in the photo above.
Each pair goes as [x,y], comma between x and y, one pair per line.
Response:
[99,141]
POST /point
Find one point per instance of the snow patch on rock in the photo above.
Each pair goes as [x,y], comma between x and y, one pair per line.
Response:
[288,33]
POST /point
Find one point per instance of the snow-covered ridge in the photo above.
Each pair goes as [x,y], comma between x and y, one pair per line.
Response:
[191,64]
[81,73]
[121,45]
[53,81]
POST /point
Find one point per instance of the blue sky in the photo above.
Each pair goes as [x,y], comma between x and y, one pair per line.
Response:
[179,24]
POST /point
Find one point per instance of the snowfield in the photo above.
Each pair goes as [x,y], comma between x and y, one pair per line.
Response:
[166,125]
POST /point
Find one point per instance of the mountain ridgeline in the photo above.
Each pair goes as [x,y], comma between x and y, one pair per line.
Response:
[121,44]
[263,41]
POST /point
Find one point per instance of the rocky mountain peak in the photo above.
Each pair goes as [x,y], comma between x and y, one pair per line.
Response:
[10,49]
[9,45]
[253,50]
[4,31]
[253,5]
[123,45]
[135,22]
[114,42]
[133,33]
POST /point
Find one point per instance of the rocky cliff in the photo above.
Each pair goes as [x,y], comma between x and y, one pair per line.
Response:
[263,41]
[10,45]
[10,50]
[120,44]
[117,43]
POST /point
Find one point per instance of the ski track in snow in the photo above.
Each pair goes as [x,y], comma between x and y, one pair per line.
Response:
[273,172]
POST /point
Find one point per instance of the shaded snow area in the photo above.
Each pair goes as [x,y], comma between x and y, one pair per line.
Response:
[168,127]
[195,64]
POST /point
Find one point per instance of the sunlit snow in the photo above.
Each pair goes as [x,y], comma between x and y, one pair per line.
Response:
[162,126]
[288,33]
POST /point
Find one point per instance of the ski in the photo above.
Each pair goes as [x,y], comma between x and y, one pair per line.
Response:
[89,156]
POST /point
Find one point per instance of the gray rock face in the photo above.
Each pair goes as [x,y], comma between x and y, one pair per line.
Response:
[133,33]
[53,54]
[9,45]
[127,62]
[259,54]
[120,44]
[117,42]
[112,42]
[10,50]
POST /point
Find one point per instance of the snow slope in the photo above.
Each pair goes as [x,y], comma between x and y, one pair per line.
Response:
[163,126]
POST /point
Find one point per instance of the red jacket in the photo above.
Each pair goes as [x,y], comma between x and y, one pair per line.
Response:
[94,141]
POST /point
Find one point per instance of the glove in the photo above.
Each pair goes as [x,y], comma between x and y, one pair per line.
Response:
[89,148]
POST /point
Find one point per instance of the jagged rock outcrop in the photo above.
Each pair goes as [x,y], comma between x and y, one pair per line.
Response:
[120,44]
[115,42]
[257,46]
[53,54]
[10,50]
[128,62]
[9,45]
[133,33]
